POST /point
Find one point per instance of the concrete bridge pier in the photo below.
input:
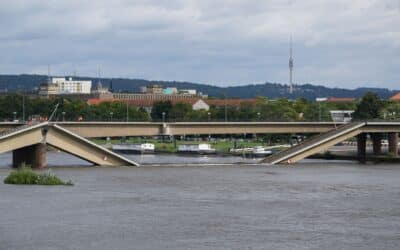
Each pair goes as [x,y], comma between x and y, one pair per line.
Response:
[376,143]
[34,155]
[393,143]
[361,147]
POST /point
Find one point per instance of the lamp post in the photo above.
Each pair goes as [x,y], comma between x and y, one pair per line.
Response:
[258,116]
[15,116]
[209,119]
[226,110]
[163,120]
[127,112]
[23,106]
[111,116]
[319,112]
[63,116]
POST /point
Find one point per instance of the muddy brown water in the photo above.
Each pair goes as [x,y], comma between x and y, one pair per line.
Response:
[312,205]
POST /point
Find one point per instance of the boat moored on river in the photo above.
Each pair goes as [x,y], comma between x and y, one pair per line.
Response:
[143,148]
[256,151]
[202,148]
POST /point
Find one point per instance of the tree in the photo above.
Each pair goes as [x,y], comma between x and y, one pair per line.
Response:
[391,110]
[159,108]
[369,107]
[179,111]
[317,111]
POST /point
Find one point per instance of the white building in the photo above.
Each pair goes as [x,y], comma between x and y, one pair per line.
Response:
[69,86]
[200,104]
[188,91]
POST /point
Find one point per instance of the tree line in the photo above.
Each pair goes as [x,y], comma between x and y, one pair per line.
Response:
[17,106]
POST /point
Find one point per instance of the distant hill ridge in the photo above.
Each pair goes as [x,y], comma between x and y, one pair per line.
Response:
[270,90]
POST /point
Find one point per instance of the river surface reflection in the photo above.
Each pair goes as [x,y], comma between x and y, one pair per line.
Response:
[59,159]
[328,205]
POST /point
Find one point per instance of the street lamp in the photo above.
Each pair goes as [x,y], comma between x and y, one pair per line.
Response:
[15,115]
[163,120]
[258,116]
[23,106]
[111,116]
[209,116]
[127,112]
[63,116]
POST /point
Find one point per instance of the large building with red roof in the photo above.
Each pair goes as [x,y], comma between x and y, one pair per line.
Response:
[195,102]
[396,97]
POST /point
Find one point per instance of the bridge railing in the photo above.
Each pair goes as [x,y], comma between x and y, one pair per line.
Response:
[197,120]
[14,130]
[312,140]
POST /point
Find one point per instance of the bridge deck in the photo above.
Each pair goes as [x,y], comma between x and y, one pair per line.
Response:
[316,144]
[62,139]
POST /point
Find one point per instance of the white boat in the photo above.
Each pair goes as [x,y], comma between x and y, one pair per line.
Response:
[240,151]
[260,151]
[202,148]
[257,151]
[143,148]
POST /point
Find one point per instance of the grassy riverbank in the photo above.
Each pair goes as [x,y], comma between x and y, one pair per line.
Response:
[221,146]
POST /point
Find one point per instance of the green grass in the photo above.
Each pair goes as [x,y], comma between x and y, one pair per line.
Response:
[168,146]
[24,175]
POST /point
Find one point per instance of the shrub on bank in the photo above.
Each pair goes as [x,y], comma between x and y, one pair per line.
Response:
[24,175]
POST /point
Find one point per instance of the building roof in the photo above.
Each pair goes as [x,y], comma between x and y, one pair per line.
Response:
[396,97]
[142,103]
[191,101]
[97,101]
[341,99]
[229,102]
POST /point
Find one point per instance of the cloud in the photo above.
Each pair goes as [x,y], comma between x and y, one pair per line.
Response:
[226,42]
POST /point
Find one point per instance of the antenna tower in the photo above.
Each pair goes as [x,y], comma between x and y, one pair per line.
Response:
[99,85]
[48,74]
[291,67]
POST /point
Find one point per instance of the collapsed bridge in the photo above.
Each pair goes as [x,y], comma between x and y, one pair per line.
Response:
[28,143]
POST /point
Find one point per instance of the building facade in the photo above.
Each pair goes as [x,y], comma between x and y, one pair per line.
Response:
[64,86]
[48,89]
[69,86]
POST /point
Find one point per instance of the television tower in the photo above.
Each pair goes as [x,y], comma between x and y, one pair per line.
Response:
[99,85]
[291,68]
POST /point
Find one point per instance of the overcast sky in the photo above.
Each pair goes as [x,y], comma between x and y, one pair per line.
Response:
[337,43]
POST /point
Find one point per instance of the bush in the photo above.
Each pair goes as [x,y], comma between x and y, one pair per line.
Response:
[26,176]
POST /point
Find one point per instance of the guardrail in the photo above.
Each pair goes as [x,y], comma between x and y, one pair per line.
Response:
[309,142]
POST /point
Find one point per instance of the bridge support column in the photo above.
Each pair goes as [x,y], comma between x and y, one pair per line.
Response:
[376,143]
[361,146]
[34,155]
[393,143]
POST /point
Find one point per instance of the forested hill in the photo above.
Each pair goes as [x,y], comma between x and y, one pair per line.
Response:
[270,90]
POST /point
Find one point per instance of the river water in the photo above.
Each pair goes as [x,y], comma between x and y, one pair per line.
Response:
[310,205]
[59,159]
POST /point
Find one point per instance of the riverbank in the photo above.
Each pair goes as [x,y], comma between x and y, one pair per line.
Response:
[221,146]
[313,205]
[341,152]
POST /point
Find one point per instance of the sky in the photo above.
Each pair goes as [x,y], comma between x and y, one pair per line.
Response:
[220,42]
